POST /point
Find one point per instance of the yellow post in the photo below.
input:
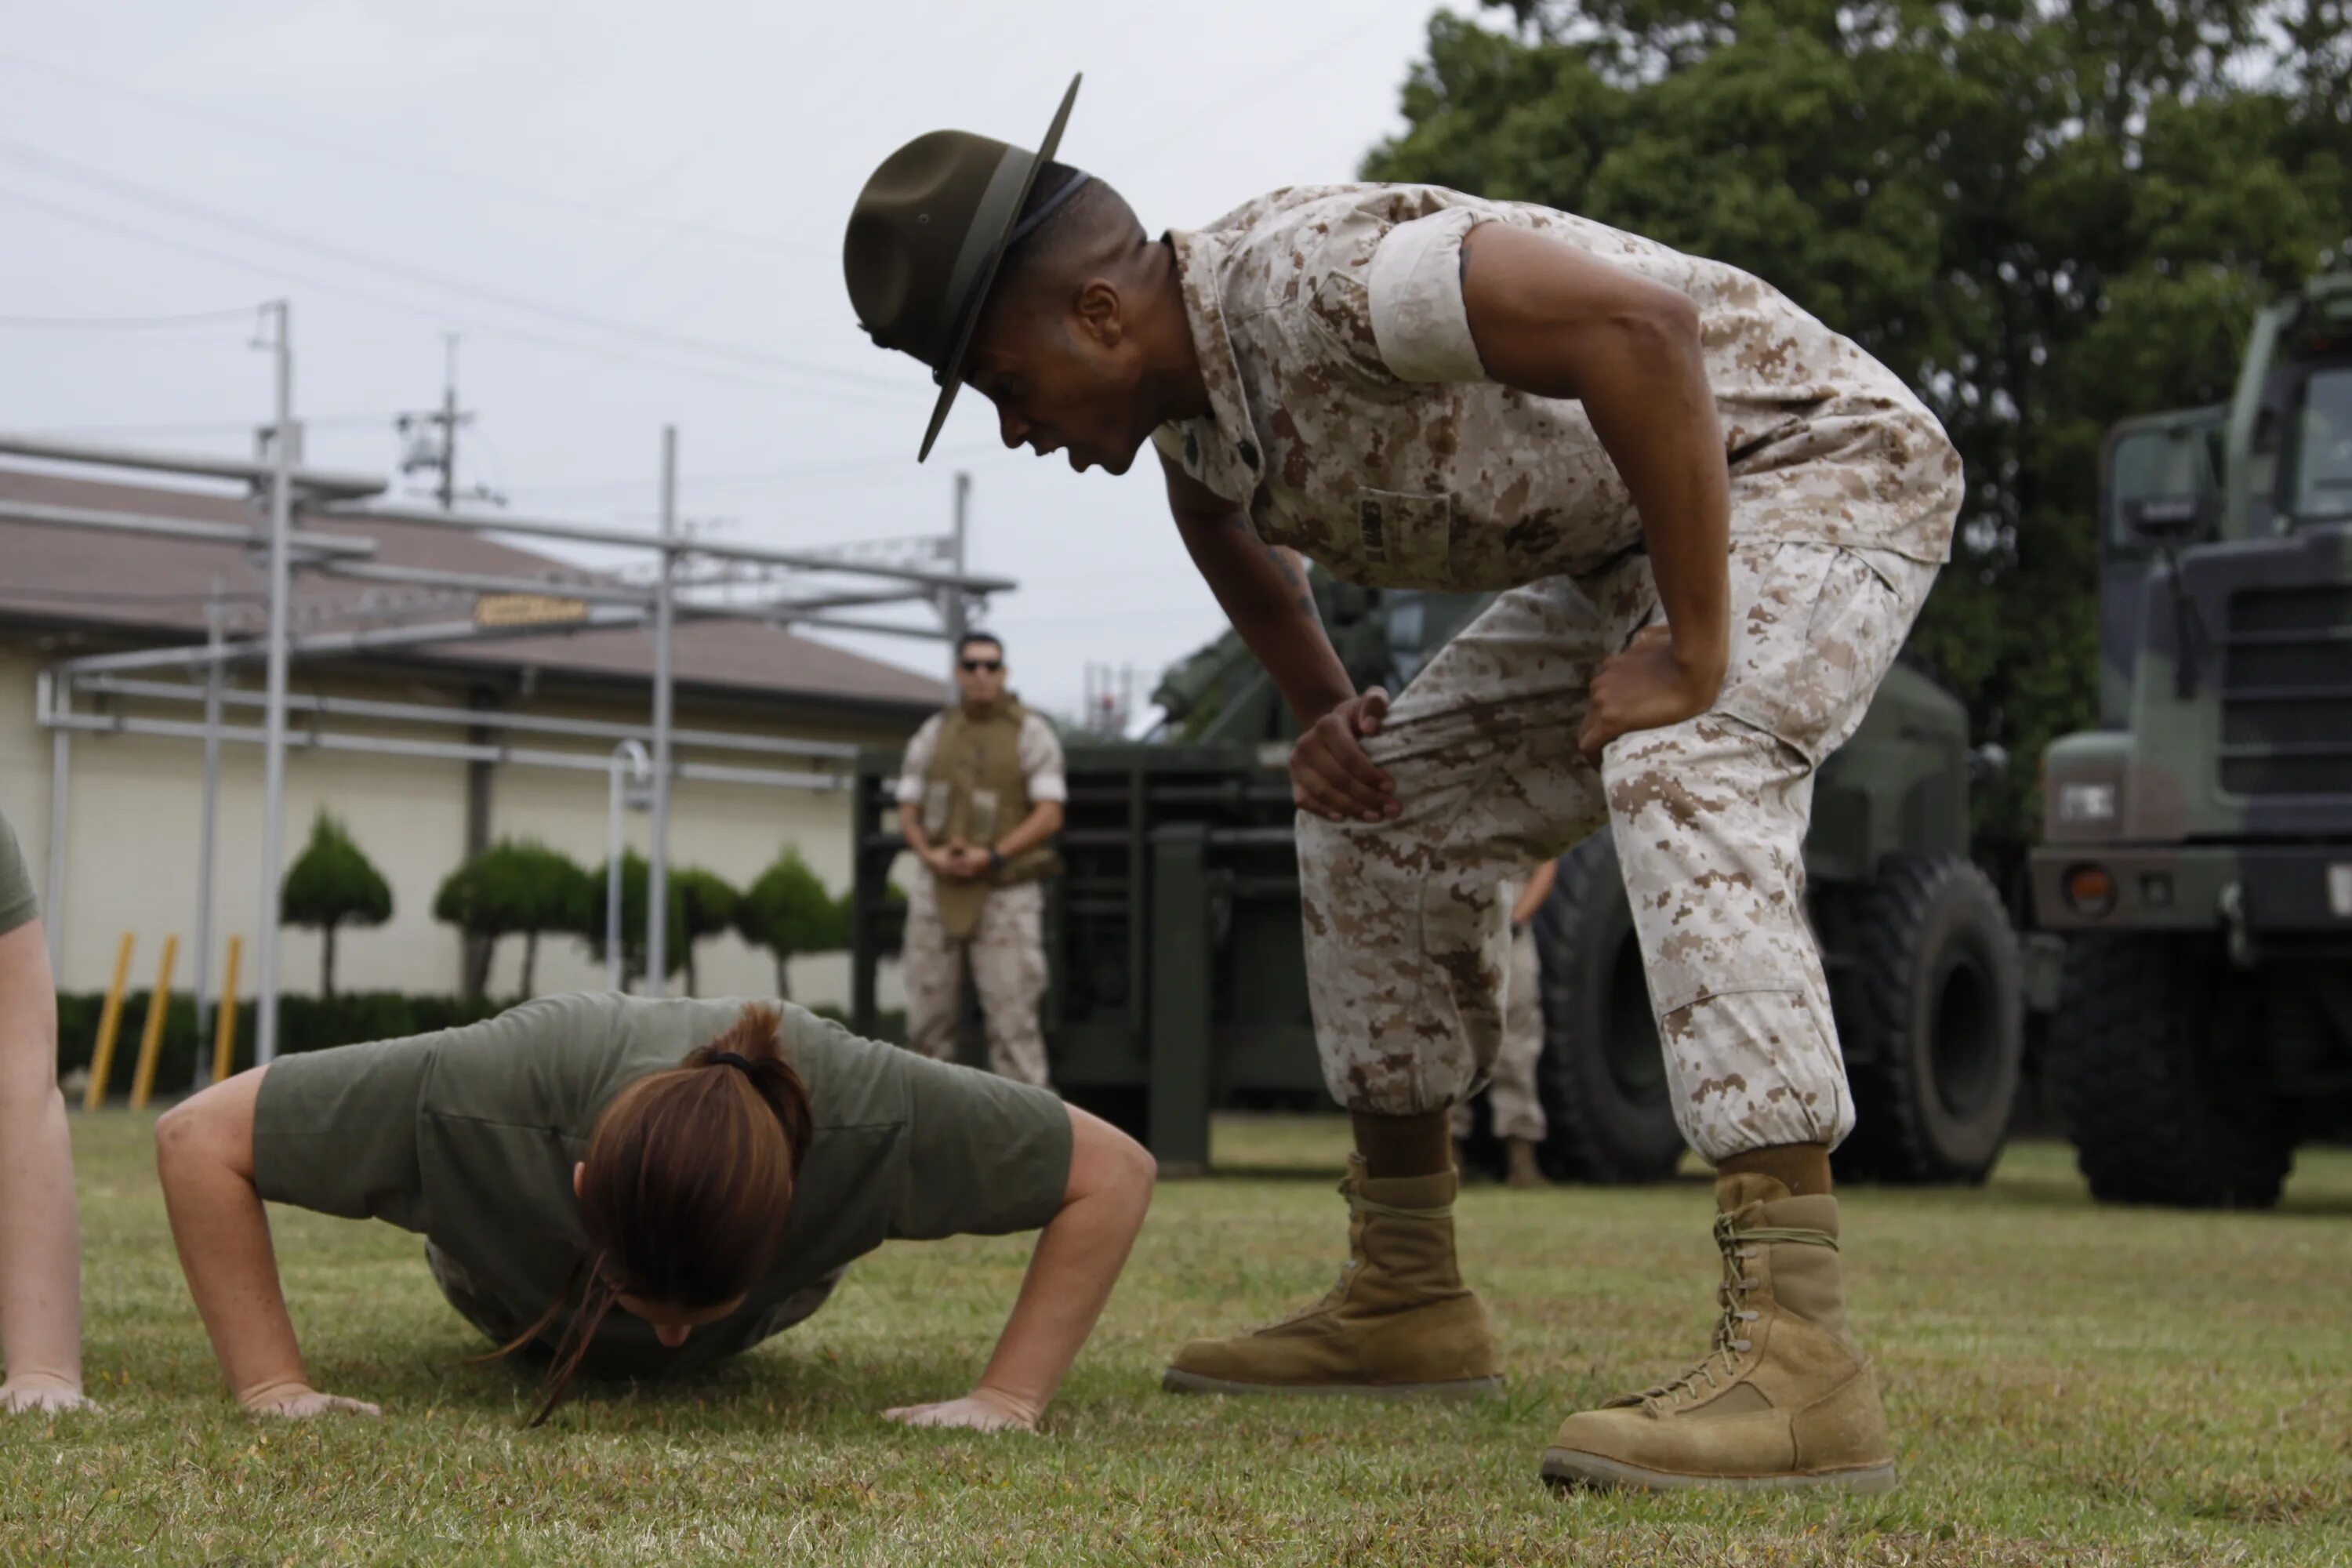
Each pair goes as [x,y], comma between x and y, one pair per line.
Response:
[110,1019]
[225,1016]
[151,1039]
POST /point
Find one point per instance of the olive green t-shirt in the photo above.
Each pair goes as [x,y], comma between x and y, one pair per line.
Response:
[469,1138]
[17,903]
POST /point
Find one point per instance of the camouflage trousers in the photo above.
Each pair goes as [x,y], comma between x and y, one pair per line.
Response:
[1407,941]
[1007,956]
[1513,1106]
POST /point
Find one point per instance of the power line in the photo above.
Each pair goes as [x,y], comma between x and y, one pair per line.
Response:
[515,334]
[128,323]
[766,476]
[23,153]
[213,427]
[324,147]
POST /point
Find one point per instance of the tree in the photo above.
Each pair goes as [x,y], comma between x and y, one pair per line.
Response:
[709,904]
[2044,214]
[636,879]
[787,911]
[514,888]
[332,885]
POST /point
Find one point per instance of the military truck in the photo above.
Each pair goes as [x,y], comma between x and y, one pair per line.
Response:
[2197,846]
[1178,975]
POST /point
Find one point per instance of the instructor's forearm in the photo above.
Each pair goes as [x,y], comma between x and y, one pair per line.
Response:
[910,828]
[1265,592]
[1652,410]
[1043,821]
[223,1237]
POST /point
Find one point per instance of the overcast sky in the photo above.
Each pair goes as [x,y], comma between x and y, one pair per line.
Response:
[633,218]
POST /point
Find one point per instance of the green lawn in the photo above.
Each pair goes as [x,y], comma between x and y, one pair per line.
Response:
[2067,1384]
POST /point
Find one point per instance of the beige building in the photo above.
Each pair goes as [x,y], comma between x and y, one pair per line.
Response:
[133,801]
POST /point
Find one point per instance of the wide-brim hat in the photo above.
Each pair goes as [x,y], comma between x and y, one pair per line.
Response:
[927,236]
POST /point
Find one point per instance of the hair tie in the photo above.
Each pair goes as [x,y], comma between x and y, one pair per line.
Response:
[733,1059]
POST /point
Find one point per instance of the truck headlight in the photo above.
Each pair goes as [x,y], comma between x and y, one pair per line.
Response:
[2089,801]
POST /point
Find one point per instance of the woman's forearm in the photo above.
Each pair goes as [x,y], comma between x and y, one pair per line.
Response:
[1077,1261]
[223,1237]
[40,1236]
[40,1241]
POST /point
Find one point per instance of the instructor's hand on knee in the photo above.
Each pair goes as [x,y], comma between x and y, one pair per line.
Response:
[1647,686]
[1329,774]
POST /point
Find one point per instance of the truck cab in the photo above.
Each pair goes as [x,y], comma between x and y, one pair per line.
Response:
[2197,846]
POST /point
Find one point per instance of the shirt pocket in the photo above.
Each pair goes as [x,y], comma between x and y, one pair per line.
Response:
[938,796]
[1404,541]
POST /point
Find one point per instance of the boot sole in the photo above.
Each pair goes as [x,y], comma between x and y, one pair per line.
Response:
[1565,1468]
[1176,1381]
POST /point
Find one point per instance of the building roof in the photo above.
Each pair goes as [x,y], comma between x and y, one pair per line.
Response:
[136,588]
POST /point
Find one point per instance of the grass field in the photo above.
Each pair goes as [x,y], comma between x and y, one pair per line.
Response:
[2068,1385]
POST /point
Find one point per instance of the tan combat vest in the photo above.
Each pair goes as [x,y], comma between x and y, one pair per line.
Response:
[974,790]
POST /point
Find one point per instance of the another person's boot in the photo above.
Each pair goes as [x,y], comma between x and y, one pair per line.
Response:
[1399,1322]
[1784,1398]
[1520,1169]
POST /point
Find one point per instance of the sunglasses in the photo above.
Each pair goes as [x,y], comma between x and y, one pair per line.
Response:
[983,665]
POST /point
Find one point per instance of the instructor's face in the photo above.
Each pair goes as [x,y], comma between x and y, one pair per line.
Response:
[1064,381]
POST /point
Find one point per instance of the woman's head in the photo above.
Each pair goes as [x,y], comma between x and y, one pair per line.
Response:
[682,1192]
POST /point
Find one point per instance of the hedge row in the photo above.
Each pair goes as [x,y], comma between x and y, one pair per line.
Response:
[304,1024]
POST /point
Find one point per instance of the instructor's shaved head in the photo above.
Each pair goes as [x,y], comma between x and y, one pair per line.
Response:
[1082,328]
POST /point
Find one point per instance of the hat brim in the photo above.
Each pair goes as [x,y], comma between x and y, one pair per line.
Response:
[950,370]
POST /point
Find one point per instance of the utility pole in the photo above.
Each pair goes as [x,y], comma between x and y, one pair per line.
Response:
[432,447]
[658,935]
[273,788]
[432,437]
[957,615]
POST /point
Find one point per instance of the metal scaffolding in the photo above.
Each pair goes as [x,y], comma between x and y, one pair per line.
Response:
[294,498]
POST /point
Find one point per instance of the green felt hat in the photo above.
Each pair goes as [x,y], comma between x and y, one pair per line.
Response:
[926,237]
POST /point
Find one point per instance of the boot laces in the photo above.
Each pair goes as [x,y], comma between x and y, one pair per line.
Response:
[1721,1367]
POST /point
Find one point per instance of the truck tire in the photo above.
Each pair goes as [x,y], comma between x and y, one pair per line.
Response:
[2138,1056]
[1933,1014]
[1608,1109]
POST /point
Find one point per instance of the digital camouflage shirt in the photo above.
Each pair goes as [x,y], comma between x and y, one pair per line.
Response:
[1353,420]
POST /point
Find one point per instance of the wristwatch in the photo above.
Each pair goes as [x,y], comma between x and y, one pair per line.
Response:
[995,859]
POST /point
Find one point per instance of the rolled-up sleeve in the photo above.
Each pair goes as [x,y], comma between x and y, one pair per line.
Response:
[335,1131]
[1041,761]
[918,761]
[1414,295]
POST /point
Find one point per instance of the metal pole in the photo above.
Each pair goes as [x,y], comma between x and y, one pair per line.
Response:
[273,788]
[658,855]
[205,840]
[53,912]
[956,621]
[448,491]
[628,759]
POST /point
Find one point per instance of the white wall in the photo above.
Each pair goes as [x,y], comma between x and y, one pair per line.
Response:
[133,821]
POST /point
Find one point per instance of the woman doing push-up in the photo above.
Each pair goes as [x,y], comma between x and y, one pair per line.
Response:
[641,1187]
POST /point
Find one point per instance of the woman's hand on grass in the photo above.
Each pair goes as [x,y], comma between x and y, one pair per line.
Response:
[42,1395]
[300,1402]
[981,1410]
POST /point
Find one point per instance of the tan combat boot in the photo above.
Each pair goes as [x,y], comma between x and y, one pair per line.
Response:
[1520,1167]
[1783,1399]
[1398,1322]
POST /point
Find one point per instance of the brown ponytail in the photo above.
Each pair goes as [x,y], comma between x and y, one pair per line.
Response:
[682,1192]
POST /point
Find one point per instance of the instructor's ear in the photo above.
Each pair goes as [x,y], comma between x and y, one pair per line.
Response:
[579,1176]
[1101,313]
